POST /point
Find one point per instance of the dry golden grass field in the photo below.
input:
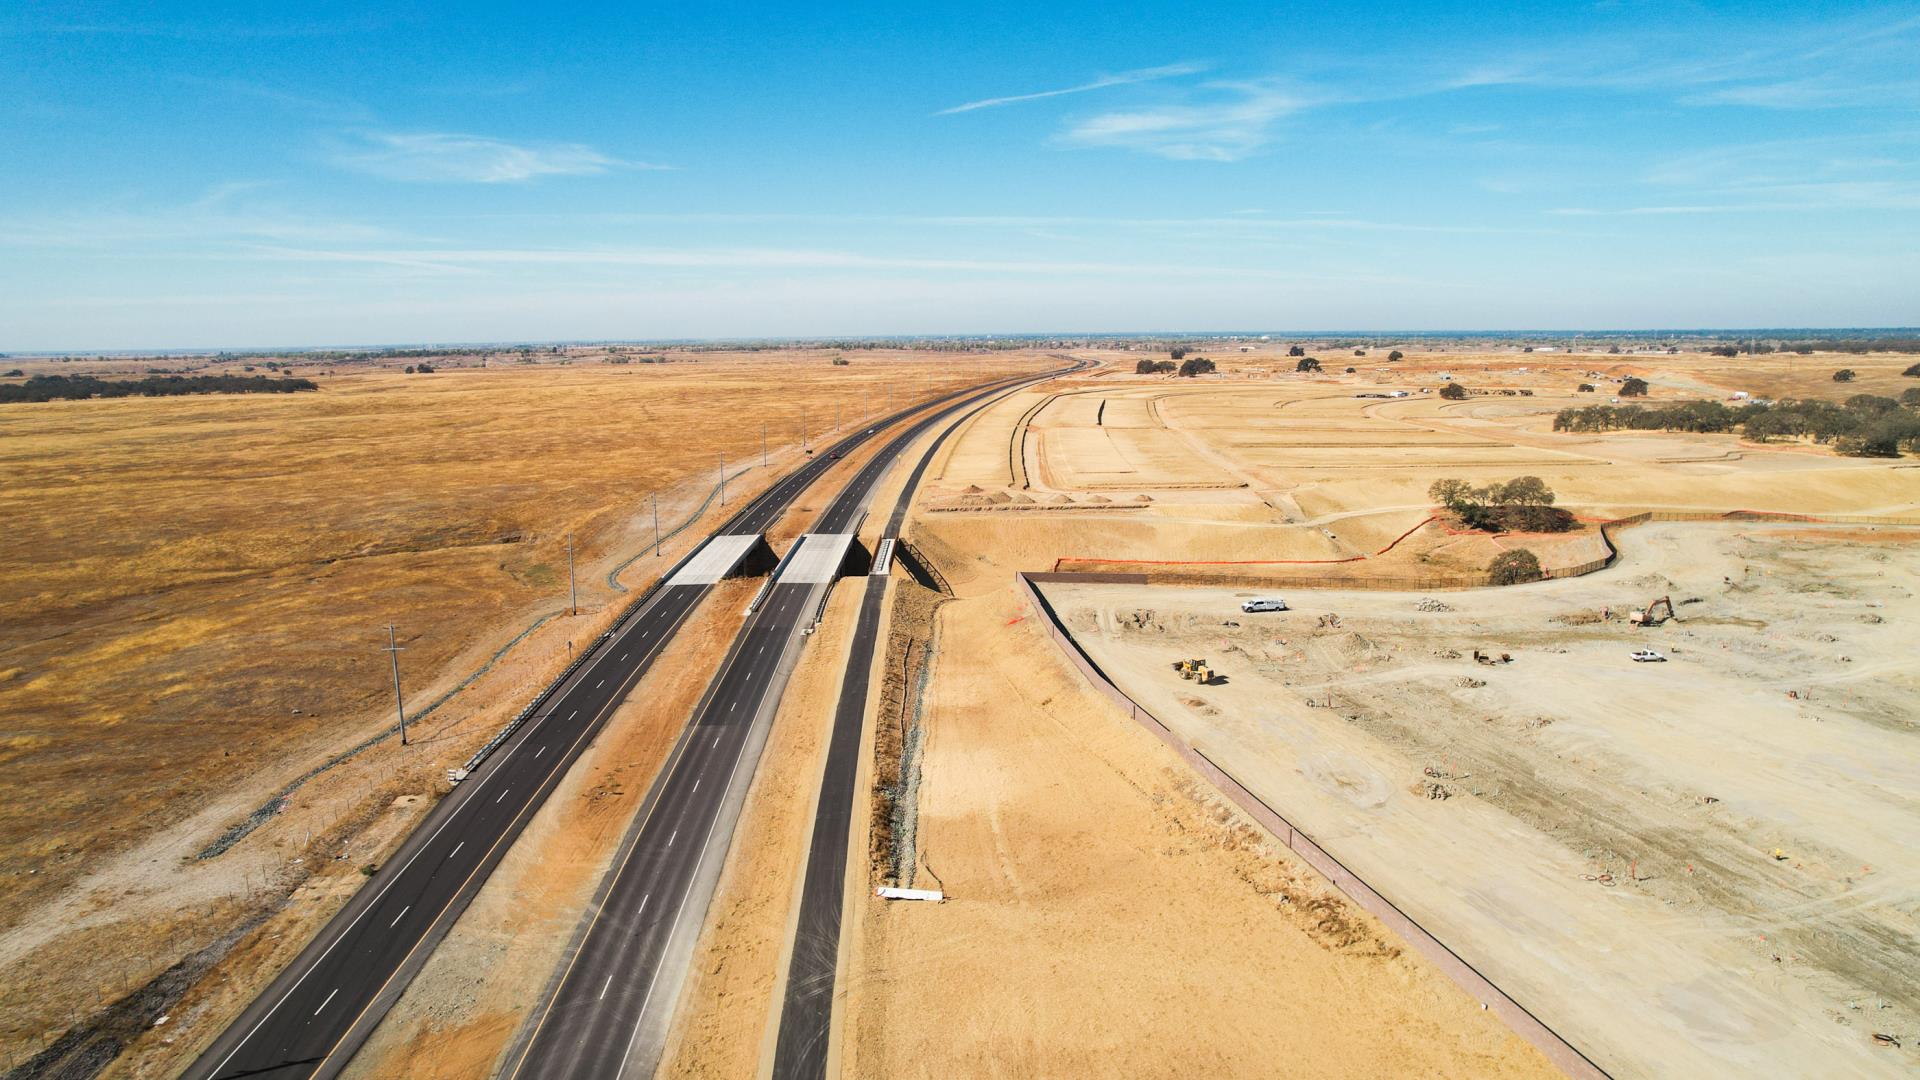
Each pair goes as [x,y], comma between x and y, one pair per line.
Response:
[194,591]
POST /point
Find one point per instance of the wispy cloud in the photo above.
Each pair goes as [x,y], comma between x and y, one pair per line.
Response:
[445,157]
[1809,93]
[1228,129]
[1125,78]
[228,213]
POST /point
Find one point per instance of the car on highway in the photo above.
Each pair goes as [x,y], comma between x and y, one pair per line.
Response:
[1648,656]
[1269,604]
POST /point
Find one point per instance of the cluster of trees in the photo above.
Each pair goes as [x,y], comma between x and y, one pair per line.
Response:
[1154,367]
[1177,353]
[77,387]
[1635,386]
[1196,365]
[1523,504]
[1296,350]
[1865,425]
[1453,391]
[1190,366]
[1307,363]
[1396,356]
[1845,374]
[419,369]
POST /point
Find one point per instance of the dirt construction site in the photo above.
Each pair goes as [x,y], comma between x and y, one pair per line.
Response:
[1699,865]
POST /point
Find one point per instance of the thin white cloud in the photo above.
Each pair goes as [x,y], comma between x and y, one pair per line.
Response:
[1225,130]
[227,213]
[1125,78]
[446,157]
[1812,93]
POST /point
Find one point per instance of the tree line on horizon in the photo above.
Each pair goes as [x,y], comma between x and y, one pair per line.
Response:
[1865,425]
[81,387]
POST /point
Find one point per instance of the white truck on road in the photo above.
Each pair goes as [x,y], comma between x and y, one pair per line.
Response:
[1263,605]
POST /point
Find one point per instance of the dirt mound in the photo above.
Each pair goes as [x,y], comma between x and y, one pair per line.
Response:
[1020,499]
[1143,498]
[972,489]
[1430,604]
[1354,646]
[1098,499]
[1059,500]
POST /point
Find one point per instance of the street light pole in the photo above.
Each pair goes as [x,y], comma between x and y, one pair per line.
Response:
[656,525]
[399,703]
[573,595]
[723,481]
[763,444]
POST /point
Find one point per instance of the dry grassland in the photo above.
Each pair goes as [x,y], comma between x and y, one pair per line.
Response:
[195,591]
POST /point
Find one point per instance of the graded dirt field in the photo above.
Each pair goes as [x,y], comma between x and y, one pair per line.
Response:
[196,593]
[1257,469]
[1604,847]
[1106,915]
[1697,867]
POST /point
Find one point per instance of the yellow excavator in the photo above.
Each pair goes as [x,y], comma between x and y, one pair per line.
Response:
[1194,671]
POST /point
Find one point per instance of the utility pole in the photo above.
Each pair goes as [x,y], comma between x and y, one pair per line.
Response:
[656,525]
[723,481]
[399,703]
[803,427]
[763,444]
[573,595]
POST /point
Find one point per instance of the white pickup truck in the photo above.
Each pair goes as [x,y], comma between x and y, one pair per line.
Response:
[1263,605]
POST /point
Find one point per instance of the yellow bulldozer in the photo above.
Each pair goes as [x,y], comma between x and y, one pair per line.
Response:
[1194,671]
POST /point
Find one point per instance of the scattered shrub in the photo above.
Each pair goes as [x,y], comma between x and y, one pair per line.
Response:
[1178,354]
[1586,388]
[1843,375]
[1396,356]
[1307,363]
[1300,350]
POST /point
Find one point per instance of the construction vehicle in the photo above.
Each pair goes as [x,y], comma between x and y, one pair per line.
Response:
[1653,614]
[1194,671]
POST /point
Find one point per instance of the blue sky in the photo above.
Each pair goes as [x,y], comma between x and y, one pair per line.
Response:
[206,174]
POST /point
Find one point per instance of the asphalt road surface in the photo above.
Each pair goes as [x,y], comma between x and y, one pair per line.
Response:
[806,1010]
[609,1012]
[317,1013]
